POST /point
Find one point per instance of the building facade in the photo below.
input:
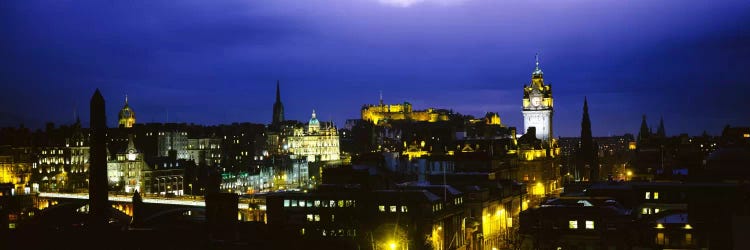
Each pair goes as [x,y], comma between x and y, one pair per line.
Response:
[384,112]
[318,142]
[125,170]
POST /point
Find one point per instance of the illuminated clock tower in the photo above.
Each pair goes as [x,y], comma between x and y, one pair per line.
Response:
[537,106]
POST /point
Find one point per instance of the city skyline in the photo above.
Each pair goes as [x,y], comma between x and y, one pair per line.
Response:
[218,64]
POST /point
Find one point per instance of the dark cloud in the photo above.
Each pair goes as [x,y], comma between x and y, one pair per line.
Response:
[217,62]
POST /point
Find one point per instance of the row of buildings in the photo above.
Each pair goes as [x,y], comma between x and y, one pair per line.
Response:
[403,179]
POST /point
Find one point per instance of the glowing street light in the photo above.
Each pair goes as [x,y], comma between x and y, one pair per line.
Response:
[392,245]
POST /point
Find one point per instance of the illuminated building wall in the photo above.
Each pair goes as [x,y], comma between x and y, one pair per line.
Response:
[287,173]
[384,112]
[62,168]
[173,140]
[319,142]
[13,173]
[124,171]
[205,150]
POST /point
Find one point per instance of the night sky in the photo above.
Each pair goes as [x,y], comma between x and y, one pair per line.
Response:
[211,62]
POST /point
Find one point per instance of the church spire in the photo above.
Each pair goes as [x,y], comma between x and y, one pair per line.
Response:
[660,131]
[278,107]
[644,132]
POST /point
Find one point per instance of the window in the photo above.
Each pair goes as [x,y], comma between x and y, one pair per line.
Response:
[381,208]
[644,211]
[393,209]
[341,203]
[648,195]
[688,239]
[573,224]
[404,209]
[317,217]
[286,203]
[294,203]
[317,203]
[660,240]
[309,217]
[656,195]
[589,224]
[301,203]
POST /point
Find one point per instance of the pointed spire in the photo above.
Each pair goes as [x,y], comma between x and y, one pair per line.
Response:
[660,131]
[131,144]
[278,107]
[585,106]
[313,114]
[643,133]
[587,148]
[381,98]
[586,122]
[537,70]
[278,92]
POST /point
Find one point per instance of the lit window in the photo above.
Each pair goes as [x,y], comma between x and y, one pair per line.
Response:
[656,210]
[589,224]
[341,203]
[404,209]
[309,217]
[573,224]
[656,195]
[301,203]
[381,208]
[317,217]
[294,203]
[286,203]
[317,203]
[648,195]
[393,209]
[660,239]
[689,239]
[645,210]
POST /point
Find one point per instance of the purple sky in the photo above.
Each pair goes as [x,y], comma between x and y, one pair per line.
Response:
[212,62]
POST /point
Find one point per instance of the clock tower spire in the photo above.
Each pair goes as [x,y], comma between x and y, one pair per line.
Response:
[538,106]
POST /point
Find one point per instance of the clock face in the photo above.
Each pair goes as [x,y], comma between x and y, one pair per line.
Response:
[536,101]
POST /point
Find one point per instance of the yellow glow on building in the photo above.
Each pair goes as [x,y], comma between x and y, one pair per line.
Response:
[632,145]
[383,112]
[315,143]
[538,189]
[659,226]
[126,115]
[746,135]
